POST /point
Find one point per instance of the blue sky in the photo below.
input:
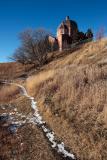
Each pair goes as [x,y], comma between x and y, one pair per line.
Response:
[18,15]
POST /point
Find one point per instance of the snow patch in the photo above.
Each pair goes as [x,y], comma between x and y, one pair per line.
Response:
[37,119]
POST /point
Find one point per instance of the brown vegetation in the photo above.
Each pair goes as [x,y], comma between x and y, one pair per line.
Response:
[7,93]
[73,99]
[27,143]
[9,71]
[35,47]
[71,92]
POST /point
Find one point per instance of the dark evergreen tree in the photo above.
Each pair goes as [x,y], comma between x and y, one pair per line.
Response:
[89,34]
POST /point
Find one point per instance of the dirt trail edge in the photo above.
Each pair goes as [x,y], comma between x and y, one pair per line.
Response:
[37,119]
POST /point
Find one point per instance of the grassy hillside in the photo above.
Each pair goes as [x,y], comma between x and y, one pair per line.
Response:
[71,92]
[14,70]
[72,96]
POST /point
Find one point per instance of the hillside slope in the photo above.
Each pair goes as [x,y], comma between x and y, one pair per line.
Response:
[72,96]
[14,70]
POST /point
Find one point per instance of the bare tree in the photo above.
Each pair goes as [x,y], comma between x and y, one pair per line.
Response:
[100,34]
[35,47]
[20,56]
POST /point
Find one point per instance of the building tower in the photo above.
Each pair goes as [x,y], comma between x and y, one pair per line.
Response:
[61,33]
[66,33]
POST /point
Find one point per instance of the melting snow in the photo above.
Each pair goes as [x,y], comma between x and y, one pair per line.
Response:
[11,121]
[37,119]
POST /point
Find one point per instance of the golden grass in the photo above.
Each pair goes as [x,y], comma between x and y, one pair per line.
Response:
[8,93]
[73,100]
[71,92]
[13,70]
[90,53]
[34,82]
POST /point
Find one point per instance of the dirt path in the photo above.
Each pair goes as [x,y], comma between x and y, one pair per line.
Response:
[36,139]
[24,141]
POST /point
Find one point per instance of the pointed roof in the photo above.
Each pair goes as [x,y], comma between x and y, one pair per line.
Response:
[62,25]
[68,23]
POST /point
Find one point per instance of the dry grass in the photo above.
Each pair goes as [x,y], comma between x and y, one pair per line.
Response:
[90,53]
[7,93]
[37,80]
[28,143]
[13,70]
[73,100]
[71,92]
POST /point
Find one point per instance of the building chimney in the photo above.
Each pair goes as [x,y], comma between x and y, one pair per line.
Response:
[67,18]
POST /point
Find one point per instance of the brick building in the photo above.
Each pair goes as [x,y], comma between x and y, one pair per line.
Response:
[68,33]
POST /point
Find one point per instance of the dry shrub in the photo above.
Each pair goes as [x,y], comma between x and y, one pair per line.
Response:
[8,93]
